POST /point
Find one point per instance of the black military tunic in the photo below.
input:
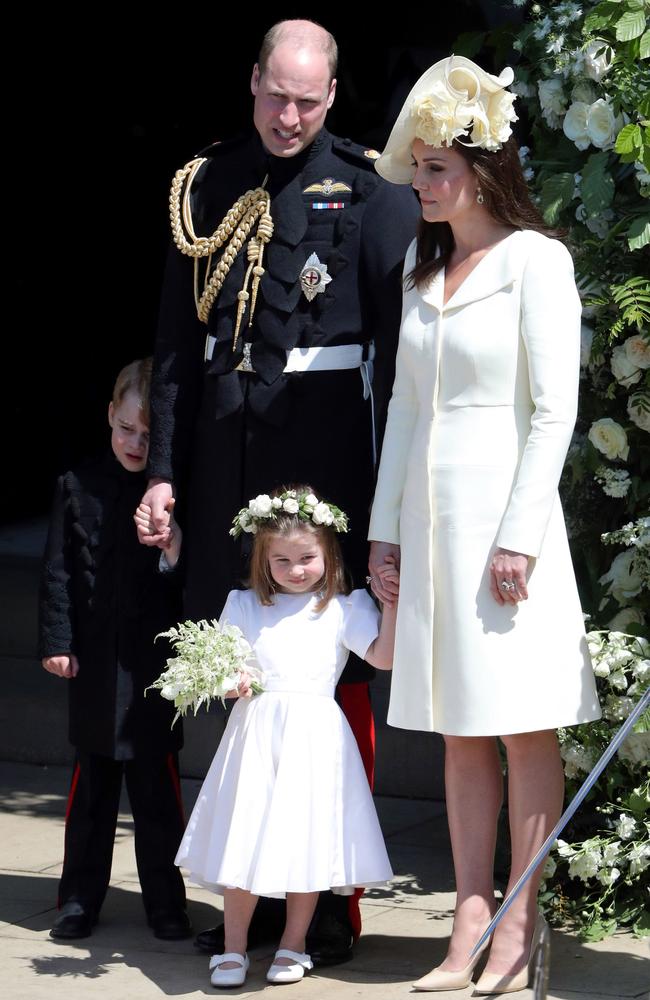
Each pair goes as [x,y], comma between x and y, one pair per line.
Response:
[230,435]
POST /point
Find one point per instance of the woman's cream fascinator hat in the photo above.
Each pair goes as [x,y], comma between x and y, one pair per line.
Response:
[454,99]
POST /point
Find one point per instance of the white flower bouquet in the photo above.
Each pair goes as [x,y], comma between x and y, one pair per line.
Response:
[211,660]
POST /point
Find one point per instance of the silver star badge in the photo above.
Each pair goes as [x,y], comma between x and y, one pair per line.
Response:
[314,277]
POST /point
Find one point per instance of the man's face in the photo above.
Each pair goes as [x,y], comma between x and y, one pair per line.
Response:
[292,97]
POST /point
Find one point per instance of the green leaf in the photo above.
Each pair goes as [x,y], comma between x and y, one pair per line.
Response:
[638,804]
[557,193]
[638,235]
[644,45]
[597,188]
[644,106]
[597,930]
[641,927]
[630,25]
[628,139]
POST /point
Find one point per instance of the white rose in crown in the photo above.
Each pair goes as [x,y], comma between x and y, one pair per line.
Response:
[598,58]
[574,125]
[602,126]
[625,371]
[637,414]
[310,500]
[276,503]
[624,580]
[261,506]
[609,438]
[291,505]
[637,349]
[322,514]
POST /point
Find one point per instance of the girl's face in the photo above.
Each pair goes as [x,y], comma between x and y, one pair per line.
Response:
[296,562]
[130,437]
[444,182]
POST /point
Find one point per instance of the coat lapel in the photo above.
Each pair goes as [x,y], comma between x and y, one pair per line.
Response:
[498,269]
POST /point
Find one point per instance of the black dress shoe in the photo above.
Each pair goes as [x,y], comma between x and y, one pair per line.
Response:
[72,922]
[170,925]
[329,941]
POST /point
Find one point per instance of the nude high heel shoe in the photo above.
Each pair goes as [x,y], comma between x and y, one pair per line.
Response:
[491,982]
[448,979]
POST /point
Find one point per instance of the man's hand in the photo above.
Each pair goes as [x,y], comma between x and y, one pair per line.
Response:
[62,666]
[157,498]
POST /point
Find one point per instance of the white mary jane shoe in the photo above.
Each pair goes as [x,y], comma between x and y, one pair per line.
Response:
[229,977]
[289,973]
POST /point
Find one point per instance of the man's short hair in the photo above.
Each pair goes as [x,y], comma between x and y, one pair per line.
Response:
[299,34]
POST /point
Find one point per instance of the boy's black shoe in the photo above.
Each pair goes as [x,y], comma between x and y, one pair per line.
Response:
[170,925]
[329,941]
[72,922]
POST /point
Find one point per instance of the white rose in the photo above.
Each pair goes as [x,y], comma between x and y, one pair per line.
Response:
[322,514]
[623,578]
[601,125]
[574,125]
[638,415]
[261,506]
[276,503]
[311,500]
[637,349]
[623,368]
[626,617]
[635,748]
[609,438]
[291,505]
[625,826]
[601,668]
[250,527]
[170,691]
[598,58]
[552,100]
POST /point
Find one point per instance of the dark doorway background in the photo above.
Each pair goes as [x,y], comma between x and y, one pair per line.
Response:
[106,105]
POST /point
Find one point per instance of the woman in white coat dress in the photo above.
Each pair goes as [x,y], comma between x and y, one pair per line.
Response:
[490,638]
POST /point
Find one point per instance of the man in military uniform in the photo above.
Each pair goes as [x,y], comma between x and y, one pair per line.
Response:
[272,327]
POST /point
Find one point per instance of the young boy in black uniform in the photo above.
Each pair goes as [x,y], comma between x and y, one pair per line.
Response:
[102,602]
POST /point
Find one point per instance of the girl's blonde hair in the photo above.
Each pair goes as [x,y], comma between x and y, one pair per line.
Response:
[334,581]
[135,377]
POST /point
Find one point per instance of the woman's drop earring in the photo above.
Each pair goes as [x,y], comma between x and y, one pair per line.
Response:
[479,197]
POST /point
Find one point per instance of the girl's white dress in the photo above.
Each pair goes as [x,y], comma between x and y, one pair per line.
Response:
[286,806]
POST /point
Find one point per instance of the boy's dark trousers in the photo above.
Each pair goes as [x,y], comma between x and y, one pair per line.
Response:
[154,793]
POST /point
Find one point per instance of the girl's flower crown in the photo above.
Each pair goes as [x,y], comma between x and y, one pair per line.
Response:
[305,506]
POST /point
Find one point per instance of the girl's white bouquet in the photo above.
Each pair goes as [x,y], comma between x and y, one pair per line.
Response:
[211,660]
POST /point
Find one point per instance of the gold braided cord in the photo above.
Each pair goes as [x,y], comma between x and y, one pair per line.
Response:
[236,227]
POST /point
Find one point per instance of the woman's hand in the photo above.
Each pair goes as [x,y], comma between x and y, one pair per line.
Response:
[508,576]
[243,689]
[381,583]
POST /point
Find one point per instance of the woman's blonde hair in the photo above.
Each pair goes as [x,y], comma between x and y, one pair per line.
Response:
[334,580]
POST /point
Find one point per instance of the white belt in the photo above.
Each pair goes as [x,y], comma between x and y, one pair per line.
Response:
[320,359]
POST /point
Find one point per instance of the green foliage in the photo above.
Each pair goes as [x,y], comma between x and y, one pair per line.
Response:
[585,80]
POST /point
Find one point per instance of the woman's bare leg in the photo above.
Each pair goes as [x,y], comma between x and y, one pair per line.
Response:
[300,910]
[238,908]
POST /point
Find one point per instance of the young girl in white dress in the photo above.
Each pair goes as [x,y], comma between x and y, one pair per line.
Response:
[285,809]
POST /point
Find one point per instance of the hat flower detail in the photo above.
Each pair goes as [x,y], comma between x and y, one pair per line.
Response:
[463,111]
[264,509]
[455,100]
